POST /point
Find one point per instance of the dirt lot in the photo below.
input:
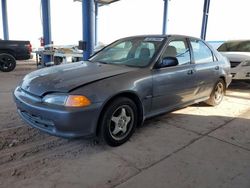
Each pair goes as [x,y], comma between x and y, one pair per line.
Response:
[198,146]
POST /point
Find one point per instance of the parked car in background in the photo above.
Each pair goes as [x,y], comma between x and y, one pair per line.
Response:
[238,53]
[120,86]
[12,50]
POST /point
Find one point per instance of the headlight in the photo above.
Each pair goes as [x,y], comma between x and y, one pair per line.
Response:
[246,63]
[57,99]
[67,100]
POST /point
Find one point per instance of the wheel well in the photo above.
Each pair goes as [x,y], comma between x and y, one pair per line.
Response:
[129,95]
[224,80]
[8,52]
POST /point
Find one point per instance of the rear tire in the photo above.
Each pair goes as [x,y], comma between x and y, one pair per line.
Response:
[217,94]
[58,60]
[118,122]
[7,62]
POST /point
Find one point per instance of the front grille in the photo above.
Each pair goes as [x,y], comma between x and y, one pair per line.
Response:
[234,63]
[38,121]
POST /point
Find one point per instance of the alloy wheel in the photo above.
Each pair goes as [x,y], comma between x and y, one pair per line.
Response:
[7,62]
[121,122]
[219,92]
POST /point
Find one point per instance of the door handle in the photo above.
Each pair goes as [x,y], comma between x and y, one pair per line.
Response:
[217,68]
[190,72]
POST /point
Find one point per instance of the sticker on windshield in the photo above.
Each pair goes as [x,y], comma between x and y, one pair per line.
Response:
[154,39]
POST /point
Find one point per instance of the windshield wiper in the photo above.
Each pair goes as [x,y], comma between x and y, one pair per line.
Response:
[102,62]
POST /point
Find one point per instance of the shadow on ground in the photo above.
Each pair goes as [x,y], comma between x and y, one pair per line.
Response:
[184,140]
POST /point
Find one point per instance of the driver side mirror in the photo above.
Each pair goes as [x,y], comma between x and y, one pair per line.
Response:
[168,62]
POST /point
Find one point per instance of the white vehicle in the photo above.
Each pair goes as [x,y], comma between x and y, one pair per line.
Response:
[238,53]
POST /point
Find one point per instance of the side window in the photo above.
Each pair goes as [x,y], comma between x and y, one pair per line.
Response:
[180,50]
[202,54]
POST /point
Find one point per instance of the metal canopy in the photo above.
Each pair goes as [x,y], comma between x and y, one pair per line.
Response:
[102,2]
[90,13]
[106,1]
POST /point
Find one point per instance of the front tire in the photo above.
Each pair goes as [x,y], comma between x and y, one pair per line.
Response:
[217,94]
[119,121]
[7,62]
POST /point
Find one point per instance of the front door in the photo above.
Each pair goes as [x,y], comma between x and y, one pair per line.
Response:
[174,86]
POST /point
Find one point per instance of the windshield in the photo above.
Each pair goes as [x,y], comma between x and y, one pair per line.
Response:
[137,52]
[235,46]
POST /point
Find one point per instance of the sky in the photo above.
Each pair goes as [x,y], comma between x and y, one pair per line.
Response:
[228,19]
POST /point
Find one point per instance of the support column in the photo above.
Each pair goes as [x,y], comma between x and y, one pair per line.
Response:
[46,26]
[165,17]
[96,22]
[5,20]
[205,19]
[88,17]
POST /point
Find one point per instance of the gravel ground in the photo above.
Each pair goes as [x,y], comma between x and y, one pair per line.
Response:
[198,146]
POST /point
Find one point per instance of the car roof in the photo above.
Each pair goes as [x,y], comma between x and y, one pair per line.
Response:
[164,36]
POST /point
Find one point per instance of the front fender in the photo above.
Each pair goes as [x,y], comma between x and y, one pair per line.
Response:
[137,82]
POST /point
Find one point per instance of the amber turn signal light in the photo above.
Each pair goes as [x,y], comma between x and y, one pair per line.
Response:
[77,101]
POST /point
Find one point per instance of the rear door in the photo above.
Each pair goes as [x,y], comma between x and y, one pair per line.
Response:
[173,86]
[206,68]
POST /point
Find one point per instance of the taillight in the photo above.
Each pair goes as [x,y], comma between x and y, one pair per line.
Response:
[29,48]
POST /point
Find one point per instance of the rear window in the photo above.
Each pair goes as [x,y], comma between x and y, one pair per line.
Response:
[202,54]
[235,46]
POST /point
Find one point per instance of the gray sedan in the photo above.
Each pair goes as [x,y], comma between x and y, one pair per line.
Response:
[120,86]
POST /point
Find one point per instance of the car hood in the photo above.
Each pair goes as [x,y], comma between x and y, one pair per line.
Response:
[237,56]
[65,78]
